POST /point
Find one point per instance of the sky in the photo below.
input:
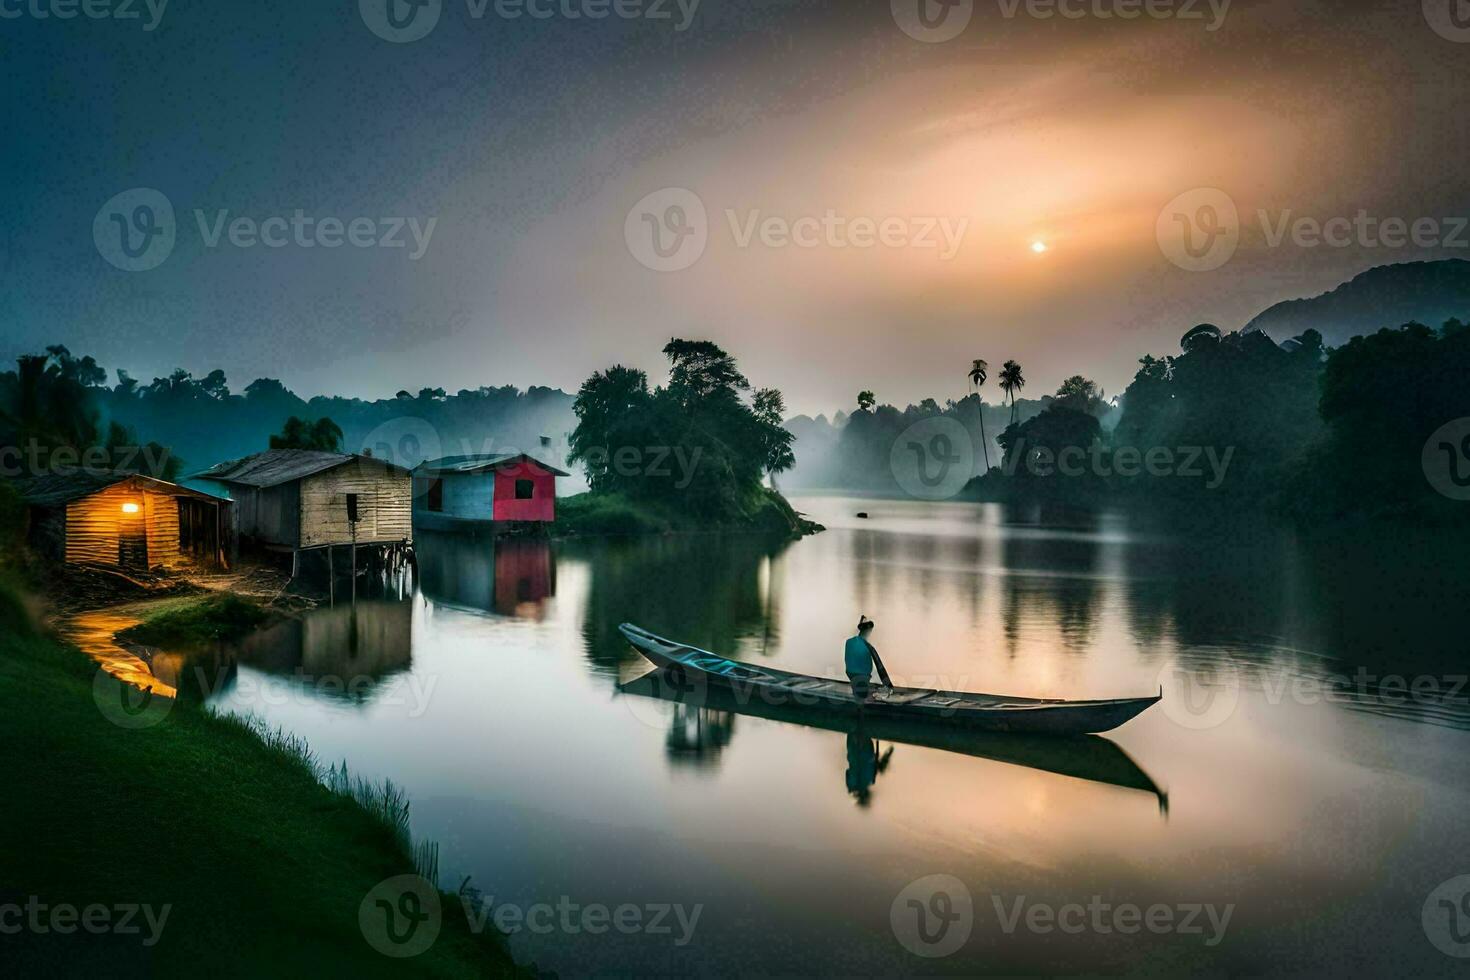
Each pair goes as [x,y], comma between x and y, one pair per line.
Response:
[845,195]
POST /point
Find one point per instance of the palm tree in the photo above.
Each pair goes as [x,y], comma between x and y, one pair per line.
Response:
[1011,380]
[979,371]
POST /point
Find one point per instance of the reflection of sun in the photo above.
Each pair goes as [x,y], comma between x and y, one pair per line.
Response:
[1038,247]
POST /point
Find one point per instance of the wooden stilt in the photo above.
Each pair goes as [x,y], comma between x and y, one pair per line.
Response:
[331,577]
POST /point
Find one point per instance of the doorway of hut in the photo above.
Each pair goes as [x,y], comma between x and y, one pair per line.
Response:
[132,539]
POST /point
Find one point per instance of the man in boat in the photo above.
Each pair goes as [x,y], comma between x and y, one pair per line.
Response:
[858,656]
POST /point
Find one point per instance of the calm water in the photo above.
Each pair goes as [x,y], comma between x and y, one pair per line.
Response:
[491,694]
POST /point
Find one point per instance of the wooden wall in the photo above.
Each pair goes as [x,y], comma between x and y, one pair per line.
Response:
[93,523]
[385,505]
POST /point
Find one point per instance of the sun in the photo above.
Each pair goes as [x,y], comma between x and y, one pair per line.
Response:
[1038,247]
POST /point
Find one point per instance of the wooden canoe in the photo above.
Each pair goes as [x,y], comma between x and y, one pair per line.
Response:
[1088,757]
[693,667]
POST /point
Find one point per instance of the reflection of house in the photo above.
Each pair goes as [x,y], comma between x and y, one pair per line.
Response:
[524,575]
[299,498]
[124,519]
[344,646]
[510,576]
[460,491]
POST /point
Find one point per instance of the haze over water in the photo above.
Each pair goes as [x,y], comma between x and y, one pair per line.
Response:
[1319,819]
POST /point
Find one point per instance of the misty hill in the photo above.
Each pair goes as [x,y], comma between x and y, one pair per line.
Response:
[1384,296]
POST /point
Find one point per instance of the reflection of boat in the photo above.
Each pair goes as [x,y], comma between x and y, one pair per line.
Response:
[1080,756]
[819,695]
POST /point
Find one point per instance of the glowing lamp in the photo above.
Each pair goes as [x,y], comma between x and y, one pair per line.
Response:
[130,508]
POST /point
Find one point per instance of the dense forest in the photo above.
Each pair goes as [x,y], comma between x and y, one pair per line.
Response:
[1238,422]
[700,444]
[60,401]
[1232,421]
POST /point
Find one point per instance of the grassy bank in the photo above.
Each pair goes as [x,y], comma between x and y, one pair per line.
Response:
[599,514]
[262,866]
[197,622]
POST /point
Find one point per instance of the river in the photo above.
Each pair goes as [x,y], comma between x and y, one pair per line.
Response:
[1286,808]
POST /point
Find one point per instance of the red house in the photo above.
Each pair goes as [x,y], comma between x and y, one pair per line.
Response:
[484,489]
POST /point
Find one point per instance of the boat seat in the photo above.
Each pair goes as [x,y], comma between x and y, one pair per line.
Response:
[908,697]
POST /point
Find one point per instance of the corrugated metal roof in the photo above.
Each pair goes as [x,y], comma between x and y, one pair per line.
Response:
[482,461]
[276,466]
[55,489]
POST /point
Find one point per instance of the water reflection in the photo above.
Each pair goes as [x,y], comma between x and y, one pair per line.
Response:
[702,722]
[338,653]
[506,576]
[864,764]
[708,589]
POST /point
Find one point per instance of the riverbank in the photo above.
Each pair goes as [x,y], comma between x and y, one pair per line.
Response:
[611,514]
[225,833]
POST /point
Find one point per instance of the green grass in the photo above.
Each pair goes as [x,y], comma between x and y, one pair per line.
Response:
[601,514]
[263,855]
[196,622]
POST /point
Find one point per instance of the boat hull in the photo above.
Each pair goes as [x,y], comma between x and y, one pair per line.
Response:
[692,668]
